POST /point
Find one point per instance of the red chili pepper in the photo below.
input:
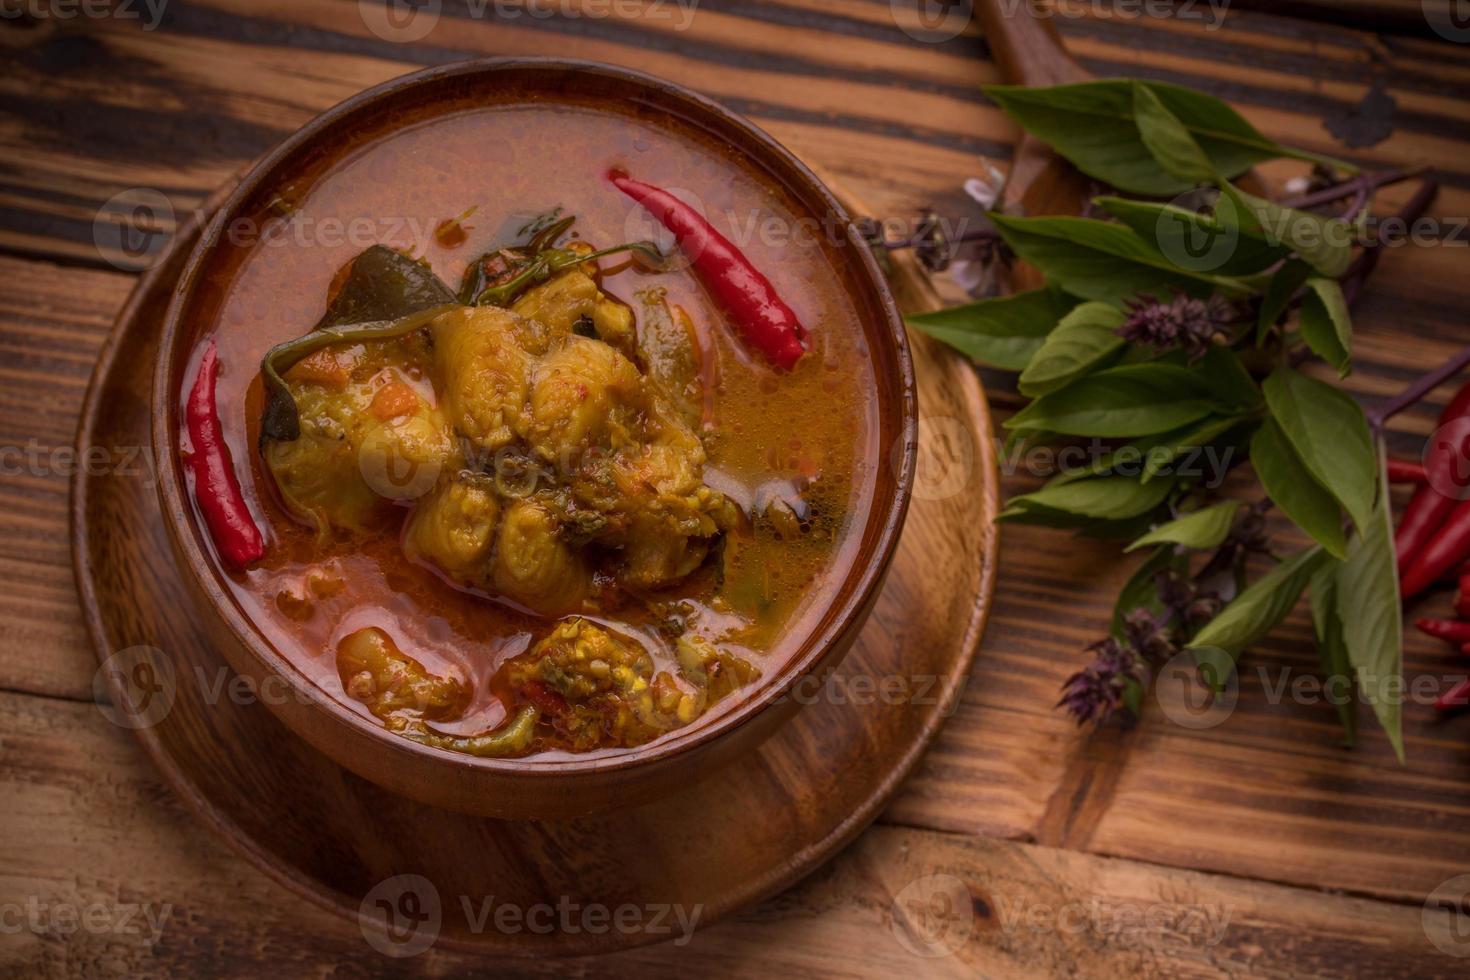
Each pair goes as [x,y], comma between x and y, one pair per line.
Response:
[1465,649]
[763,319]
[1462,598]
[1429,507]
[216,489]
[1446,629]
[1407,471]
[1456,697]
[1449,546]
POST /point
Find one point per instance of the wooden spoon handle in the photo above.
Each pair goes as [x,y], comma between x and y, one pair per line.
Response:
[1023,40]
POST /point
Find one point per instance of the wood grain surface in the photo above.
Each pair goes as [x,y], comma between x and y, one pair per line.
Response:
[1324,856]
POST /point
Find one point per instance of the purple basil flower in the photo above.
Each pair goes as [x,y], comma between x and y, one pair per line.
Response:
[1183,323]
[1096,691]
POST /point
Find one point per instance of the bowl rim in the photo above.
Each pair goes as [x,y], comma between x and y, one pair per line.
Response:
[203,569]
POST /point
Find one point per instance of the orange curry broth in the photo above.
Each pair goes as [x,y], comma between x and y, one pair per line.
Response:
[818,421]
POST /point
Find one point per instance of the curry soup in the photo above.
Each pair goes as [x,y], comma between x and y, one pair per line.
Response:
[576,515]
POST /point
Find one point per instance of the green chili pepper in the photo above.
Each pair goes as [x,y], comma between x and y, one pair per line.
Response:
[514,736]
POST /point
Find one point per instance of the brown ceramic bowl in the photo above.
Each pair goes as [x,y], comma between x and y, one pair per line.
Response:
[529,787]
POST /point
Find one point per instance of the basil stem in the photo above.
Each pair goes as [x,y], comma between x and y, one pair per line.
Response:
[547,236]
[551,261]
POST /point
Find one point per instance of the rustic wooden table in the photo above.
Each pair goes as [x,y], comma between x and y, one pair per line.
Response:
[1258,846]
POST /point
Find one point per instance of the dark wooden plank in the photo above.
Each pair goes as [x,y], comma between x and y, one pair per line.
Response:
[224,79]
[81,796]
[1414,17]
[53,321]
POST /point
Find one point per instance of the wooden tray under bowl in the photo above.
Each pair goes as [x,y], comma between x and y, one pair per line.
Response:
[411,874]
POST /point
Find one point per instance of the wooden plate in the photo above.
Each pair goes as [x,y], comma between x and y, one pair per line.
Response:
[412,874]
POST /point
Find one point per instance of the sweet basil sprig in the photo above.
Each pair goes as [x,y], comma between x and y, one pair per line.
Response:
[1171,327]
[1095,126]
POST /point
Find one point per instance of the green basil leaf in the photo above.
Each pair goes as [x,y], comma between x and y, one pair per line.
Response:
[1193,240]
[1120,531]
[1327,327]
[1330,434]
[1133,400]
[1203,530]
[1104,497]
[1283,286]
[1005,332]
[1167,140]
[1150,456]
[1289,484]
[1142,590]
[1227,379]
[1326,244]
[1085,338]
[1132,696]
[1257,610]
[1092,125]
[1103,261]
[1191,442]
[1042,517]
[384,284]
[1372,617]
[1332,651]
